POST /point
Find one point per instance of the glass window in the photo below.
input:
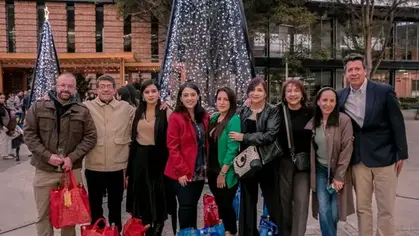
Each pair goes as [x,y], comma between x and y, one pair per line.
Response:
[322,39]
[71,35]
[99,28]
[381,76]
[259,44]
[275,80]
[407,83]
[11,37]
[154,39]
[316,80]
[339,79]
[127,34]
[406,40]
[40,11]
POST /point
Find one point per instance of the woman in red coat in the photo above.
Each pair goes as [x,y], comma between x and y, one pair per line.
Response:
[188,149]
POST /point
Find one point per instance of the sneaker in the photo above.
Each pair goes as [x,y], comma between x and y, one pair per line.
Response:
[8,158]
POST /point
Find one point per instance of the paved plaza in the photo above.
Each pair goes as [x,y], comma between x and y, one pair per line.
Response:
[18,211]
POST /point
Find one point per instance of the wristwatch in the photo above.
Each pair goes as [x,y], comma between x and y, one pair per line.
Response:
[223,173]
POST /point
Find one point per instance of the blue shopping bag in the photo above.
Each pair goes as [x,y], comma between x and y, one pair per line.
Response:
[236,203]
[188,232]
[217,230]
[267,227]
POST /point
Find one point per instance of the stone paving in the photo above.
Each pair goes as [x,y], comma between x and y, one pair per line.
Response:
[18,211]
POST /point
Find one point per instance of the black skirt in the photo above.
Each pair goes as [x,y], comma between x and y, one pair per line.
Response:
[146,186]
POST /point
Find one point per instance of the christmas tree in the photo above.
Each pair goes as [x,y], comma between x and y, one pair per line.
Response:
[207,44]
[47,67]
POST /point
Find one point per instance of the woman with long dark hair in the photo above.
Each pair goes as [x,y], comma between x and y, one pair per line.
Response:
[222,180]
[293,182]
[147,160]
[188,150]
[331,152]
[260,126]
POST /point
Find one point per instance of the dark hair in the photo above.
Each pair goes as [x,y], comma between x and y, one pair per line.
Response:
[105,78]
[133,93]
[299,85]
[354,57]
[231,111]
[255,82]
[125,96]
[199,111]
[137,86]
[318,115]
[142,107]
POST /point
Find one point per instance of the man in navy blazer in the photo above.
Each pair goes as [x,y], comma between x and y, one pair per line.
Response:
[380,145]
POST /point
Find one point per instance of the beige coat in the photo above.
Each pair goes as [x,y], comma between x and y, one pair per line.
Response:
[339,147]
[113,124]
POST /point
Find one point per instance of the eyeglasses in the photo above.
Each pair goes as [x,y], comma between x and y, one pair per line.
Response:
[103,86]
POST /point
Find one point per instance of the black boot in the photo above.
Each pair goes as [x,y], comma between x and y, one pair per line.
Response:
[157,229]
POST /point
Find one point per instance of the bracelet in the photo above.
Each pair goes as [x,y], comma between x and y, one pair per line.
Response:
[223,173]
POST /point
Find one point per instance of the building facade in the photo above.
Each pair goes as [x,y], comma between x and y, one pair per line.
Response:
[325,45]
[91,38]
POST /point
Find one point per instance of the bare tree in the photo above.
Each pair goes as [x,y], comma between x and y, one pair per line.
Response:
[368,26]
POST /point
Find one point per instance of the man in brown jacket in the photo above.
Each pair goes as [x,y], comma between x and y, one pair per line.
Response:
[59,132]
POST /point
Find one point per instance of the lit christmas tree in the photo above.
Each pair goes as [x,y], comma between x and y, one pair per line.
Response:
[207,44]
[47,67]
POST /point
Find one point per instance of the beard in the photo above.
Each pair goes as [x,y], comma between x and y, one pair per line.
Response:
[65,96]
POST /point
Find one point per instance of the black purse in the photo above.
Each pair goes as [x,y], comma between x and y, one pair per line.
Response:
[301,159]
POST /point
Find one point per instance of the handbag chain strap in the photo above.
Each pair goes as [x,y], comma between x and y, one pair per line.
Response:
[288,127]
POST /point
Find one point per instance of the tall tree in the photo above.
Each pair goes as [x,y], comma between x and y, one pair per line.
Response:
[368,26]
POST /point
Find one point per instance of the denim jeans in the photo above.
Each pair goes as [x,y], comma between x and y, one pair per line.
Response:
[328,207]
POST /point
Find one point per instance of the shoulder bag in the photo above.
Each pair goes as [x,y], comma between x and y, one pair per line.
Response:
[301,159]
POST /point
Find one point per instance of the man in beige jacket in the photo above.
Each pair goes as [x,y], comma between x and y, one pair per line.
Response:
[106,162]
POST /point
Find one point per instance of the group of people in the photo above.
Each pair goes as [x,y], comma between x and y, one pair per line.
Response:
[352,138]
[12,111]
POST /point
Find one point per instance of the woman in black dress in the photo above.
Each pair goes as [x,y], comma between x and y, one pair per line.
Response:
[146,193]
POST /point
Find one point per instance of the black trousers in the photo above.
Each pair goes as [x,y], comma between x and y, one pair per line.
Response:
[188,198]
[267,179]
[224,198]
[294,197]
[113,184]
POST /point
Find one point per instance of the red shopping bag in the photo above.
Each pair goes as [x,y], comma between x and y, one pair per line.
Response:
[134,227]
[211,217]
[69,204]
[95,230]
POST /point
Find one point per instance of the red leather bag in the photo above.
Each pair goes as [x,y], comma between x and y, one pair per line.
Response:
[134,227]
[95,230]
[211,217]
[69,204]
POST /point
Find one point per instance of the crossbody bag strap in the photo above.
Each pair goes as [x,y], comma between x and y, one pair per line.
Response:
[288,127]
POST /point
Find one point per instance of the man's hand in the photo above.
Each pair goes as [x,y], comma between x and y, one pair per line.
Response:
[398,167]
[55,160]
[68,165]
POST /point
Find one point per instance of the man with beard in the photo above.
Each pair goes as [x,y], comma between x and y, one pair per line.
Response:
[59,124]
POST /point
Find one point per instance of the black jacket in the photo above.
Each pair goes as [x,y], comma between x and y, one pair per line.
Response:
[267,127]
[381,141]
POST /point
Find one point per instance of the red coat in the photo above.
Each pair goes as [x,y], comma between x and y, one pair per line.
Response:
[182,145]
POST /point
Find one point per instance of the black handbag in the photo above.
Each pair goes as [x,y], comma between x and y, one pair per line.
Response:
[301,159]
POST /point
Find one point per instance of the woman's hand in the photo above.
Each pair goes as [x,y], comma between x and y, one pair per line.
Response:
[235,136]
[183,180]
[338,185]
[221,181]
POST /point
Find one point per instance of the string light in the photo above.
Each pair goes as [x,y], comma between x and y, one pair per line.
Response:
[207,43]
[47,65]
